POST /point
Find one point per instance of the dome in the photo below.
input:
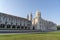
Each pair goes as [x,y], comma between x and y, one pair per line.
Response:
[38,13]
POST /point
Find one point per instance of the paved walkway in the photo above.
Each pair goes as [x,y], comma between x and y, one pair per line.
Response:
[10,32]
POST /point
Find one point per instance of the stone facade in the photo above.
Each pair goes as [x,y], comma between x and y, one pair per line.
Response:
[40,24]
[13,22]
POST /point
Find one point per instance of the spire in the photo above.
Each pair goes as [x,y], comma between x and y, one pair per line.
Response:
[30,18]
[27,16]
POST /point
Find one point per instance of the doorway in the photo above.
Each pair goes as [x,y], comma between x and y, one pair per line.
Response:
[33,28]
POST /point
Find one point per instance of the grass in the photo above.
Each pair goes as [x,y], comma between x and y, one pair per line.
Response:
[41,36]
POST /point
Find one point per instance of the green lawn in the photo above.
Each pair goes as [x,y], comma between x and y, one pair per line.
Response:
[41,36]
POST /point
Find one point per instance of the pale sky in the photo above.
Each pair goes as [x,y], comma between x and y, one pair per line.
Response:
[50,9]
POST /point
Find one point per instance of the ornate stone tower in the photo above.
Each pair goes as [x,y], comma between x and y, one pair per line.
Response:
[37,20]
[30,18]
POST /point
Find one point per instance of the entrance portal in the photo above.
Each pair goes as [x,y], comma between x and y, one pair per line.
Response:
[33,28]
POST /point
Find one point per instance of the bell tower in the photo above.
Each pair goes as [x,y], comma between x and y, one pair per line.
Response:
[37,20]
